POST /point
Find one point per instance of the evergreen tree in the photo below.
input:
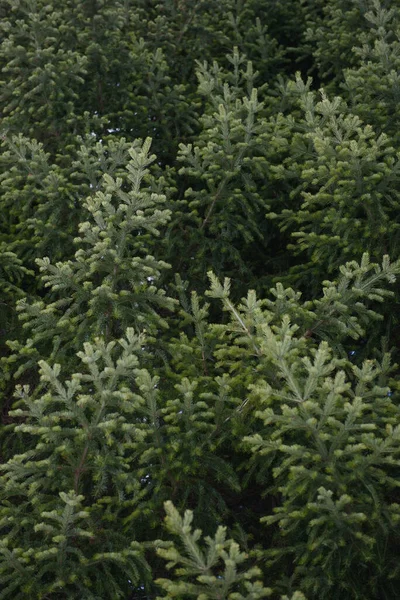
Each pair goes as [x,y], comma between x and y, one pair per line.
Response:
[208,330]
[199,565]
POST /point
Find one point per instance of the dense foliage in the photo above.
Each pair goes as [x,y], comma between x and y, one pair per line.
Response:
[199,267]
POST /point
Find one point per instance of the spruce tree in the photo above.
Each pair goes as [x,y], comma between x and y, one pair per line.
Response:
[199,262]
